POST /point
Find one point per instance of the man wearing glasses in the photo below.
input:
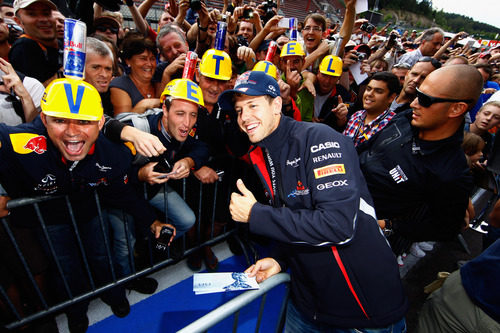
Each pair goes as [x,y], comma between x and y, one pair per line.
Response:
[316,47]
[415,168]
[412,80]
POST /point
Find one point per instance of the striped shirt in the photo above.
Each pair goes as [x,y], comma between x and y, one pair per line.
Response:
[359,132]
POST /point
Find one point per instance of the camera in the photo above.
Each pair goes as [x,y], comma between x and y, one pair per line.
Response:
[162,241]
[268,6]
[242,41]
[248,13]
[195,5]
[163,165]
[367,26]
[361,56]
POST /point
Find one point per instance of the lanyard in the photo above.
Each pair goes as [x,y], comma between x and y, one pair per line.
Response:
[273,171]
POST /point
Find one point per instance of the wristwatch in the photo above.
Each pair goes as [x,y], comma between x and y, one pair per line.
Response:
[199,25]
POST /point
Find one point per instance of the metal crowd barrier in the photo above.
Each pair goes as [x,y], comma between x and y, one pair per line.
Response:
[46,307]
[236,304]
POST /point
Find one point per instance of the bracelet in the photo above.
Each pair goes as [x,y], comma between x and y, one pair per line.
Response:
[129,3]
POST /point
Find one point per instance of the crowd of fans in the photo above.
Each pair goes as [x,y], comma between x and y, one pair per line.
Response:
[405,98]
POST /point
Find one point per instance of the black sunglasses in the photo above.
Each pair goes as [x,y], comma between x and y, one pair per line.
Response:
[432,60]
[103,28]
[426,100]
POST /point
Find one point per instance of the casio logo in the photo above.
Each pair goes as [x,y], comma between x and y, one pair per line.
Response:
[325,145]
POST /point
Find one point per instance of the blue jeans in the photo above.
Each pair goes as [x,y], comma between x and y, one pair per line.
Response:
[179,215]
[68,254]
[178,212]
[121,225]
[297,323]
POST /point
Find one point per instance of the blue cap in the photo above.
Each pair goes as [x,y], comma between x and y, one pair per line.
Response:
[252,84]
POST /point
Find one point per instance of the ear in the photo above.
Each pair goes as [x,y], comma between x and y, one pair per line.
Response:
[277,104]
[457,109]
[101,122]
[197,75]
[392,98]
[44,119]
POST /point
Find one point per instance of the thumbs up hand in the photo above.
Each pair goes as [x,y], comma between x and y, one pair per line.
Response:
[241,204]
[340,112]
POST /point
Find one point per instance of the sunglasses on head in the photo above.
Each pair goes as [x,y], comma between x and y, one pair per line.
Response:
[426,100]
[103,28]
[432,60]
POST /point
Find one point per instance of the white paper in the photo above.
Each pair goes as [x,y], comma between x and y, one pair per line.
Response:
[361,6]
[204,283]
[356,73]
[284,23]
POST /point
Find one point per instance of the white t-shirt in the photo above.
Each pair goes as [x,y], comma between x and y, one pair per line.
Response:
[8,115]
[319,100]
[495,97]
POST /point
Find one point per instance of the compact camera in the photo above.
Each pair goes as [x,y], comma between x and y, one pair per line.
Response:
[367,26]
[268,6]
[195,5]
[361,56]
[248,13]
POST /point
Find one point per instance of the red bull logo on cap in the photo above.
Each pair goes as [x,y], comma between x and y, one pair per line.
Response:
[25,143]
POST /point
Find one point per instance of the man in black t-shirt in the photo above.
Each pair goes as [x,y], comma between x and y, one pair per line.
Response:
[36,52]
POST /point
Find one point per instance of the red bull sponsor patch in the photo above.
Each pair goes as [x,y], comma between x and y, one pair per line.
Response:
[329,170]
[25,143]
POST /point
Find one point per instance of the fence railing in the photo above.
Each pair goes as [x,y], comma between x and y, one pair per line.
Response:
[234,306]
[15,317]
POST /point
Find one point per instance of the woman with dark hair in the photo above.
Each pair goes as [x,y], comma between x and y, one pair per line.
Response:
[135,92]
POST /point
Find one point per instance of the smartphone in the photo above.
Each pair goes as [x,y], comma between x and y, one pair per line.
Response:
[162,241]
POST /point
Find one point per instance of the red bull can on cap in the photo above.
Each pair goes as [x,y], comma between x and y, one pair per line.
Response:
[190,65]
[273,46]
[220,37]
[293,28]
[74,48]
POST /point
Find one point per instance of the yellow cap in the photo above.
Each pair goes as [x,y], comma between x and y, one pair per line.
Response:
[216,64]
[266,67]
[183,89]
[72,99]
[292,48]
[331,65]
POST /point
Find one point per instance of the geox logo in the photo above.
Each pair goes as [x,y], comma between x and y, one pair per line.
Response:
[398,175]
